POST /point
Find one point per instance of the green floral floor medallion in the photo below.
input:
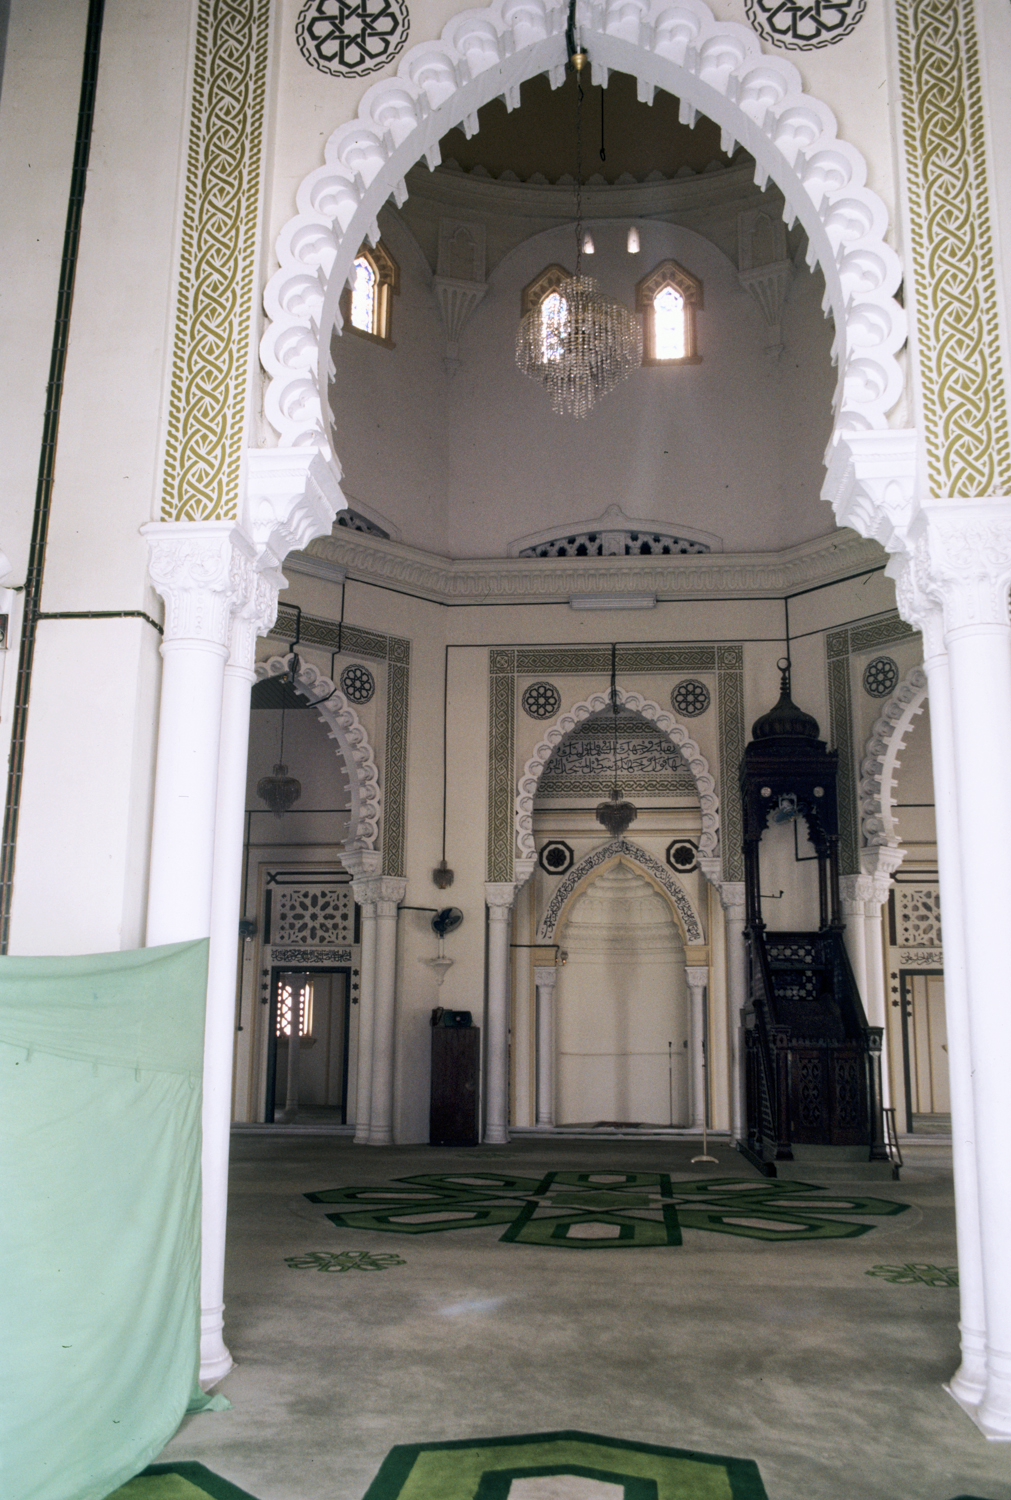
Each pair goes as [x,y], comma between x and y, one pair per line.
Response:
[487,1468]
[917,1273]
[604,1210]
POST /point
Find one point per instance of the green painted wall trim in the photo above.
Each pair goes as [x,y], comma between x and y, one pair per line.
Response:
[962,384]
[217,262]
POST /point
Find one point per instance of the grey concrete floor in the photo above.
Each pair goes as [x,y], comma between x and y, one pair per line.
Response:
[788,1354]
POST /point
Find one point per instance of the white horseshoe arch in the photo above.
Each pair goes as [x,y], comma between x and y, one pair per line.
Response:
[715,68]
[348,730]
[877,769]
[625,849]
[664,721]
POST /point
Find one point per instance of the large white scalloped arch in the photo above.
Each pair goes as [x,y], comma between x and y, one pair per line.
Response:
[347,729]
[881,760]
[597,860]
[715,68]
[664,721]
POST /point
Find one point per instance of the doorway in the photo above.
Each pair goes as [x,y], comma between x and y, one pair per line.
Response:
[308,1081]
[925,1052]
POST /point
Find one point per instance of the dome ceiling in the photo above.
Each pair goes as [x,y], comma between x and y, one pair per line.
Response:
[539,139]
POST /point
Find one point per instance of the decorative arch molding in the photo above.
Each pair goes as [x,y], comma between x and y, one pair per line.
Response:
[347,729]
[715,68]
[664,721]
[881,759]
[625,850]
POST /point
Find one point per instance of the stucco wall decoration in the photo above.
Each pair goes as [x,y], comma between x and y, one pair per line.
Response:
[217,263]
[957,331]
[881,756]
[351,38]
[802,28]
[624,849]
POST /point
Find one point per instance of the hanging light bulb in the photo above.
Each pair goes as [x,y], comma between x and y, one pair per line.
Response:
[589,248]
[633,241]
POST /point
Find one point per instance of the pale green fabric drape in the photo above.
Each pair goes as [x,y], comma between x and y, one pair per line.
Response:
[100,1061]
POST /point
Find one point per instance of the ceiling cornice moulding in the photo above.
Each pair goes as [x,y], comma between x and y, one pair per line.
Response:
[554,580]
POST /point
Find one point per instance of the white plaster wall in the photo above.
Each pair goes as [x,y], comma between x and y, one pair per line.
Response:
[390,405]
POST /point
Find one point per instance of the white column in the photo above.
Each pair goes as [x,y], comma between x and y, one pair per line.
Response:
[191,566]
[390,891]
[545,980]
[732,901]
[697,979]
[499,895]
[962,560]
[364,865]
[256,610]
[968,1383]
[886,861]
[853,892]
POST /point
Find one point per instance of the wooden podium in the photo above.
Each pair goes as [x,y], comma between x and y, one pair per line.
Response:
[456,1062]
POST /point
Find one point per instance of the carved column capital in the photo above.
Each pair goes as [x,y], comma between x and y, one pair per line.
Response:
[201,569]
[959,560]
[732,899]
[697,976]
[291,496]
[871,483]
[500,895]
[545,976]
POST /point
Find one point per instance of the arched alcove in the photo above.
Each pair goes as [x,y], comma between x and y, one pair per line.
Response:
[622,1018]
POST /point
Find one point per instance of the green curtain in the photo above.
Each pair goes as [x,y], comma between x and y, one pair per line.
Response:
[101,1061]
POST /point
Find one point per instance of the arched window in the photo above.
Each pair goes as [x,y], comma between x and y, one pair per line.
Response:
[366,303]
[667,299]
[553,324]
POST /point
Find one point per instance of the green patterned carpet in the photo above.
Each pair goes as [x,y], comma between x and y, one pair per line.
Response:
[180,1481]
[604,1210]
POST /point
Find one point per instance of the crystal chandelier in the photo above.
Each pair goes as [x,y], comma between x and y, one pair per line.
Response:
[592,342]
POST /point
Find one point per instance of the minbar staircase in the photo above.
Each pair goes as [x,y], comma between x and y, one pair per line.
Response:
[812,1063]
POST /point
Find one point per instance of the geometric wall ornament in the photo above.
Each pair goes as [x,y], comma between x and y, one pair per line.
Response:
[555,857]
[541,700]
[690,698]
[682,855]
[803,28]
[880,677]
[357,683]
[351,40]
[880,758]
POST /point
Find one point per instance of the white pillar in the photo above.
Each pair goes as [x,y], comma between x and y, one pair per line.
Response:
[698,978]
[968,1383]
[732,901]
[853,892]
[961,558]
[886,861]
[390,891]
[364,865]
[255,613]
[191,566]
[545,980]
[499,896]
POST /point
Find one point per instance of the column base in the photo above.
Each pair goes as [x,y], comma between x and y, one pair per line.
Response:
[968,1384]
[379,1138]
[496,1135]
[545,1124]
[361,1137]
[215,1360]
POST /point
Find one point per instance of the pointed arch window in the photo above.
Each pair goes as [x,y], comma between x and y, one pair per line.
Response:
[668,299]
[366,304]
[543,292]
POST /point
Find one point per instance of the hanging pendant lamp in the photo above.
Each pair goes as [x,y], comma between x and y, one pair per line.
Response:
[279,790]
[593,342]
[615,814]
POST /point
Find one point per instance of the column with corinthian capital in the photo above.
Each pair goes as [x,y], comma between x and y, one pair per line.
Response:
[389,891]
[954,581]
[731,894]
[500,896]
[698,978]
[545,979]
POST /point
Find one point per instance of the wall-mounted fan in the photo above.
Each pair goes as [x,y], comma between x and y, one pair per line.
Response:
[446,920]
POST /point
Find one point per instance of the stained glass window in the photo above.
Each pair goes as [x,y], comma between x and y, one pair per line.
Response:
[554,325]
[669,324]
[363,295]
[367,297]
